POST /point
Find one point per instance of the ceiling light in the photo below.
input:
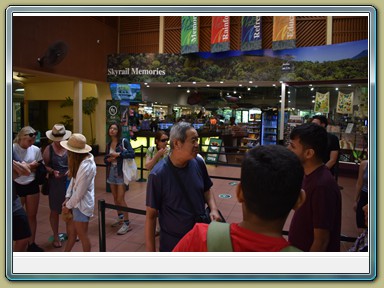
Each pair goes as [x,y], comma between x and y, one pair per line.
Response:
[188,90]
[168,83]
[337,89]
[208,85]
[310,85]
[234,92]
[179,85]
[313,101]
[249,88]
[240,85]
[221,82]
[19,90]
[349,85]
[312,89]
[250,82]
[194,82]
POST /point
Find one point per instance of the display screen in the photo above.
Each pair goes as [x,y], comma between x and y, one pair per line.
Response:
[125,91]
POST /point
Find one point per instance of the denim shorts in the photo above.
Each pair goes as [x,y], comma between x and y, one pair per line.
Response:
[78,216]
[113,177]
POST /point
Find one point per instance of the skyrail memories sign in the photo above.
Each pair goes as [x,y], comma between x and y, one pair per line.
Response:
[330,62]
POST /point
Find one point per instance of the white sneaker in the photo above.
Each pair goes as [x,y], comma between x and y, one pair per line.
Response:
[124,229]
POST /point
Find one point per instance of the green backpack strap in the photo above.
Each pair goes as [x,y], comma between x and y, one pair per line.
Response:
[290,248]
[219,237]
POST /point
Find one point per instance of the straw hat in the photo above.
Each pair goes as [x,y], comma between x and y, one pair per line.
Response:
[76,143]
[58,133]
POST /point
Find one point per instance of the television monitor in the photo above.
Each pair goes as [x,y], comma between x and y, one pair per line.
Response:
[125,91]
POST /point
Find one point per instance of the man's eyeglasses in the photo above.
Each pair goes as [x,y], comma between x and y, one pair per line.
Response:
[31,134]
[164,140]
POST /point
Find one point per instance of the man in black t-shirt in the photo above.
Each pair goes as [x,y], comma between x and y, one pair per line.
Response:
[331,157]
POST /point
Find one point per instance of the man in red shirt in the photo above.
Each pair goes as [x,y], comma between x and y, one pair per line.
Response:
[270,187]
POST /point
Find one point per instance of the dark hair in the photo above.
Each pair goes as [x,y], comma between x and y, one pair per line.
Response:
[271,178]
[321,118]
[118,135]
[312,136]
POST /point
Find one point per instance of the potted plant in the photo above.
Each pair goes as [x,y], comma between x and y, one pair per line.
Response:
[89,107]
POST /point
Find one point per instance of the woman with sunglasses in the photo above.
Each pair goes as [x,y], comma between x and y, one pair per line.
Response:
[155,154]
[26,186]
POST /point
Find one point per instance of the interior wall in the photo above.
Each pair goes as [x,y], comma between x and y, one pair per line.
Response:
[88,42]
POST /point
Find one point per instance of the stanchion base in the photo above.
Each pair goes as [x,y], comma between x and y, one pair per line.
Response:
[141,180]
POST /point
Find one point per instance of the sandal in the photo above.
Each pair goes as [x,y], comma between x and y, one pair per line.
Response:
[56,244]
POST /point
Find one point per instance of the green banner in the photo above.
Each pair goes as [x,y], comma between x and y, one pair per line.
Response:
[189,34]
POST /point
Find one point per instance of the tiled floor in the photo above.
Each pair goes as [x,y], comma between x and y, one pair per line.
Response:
[135,197]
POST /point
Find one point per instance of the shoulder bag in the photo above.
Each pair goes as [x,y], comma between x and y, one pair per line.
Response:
[219,239]
[129,168]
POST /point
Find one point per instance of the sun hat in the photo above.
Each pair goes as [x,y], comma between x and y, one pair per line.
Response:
[58,133]
[76,143]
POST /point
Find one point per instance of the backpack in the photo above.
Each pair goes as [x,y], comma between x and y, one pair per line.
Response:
[219,239]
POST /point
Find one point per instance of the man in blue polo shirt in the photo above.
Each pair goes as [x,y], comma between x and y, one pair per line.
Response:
[177,185]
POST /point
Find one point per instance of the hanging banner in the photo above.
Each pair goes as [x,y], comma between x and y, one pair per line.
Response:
[189,34]
[220,40]
[251,33]
[322,103]
[284,32]
[344,103]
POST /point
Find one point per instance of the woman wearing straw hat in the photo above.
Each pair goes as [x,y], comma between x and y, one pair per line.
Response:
[26,187]
[80,197]
[56,161]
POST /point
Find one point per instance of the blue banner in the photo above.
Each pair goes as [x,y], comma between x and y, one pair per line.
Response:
[251,34]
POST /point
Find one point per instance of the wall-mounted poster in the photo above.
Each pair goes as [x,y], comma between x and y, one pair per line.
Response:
[321,103]
[344,103]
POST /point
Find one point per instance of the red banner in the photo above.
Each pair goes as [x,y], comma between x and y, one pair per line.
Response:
[220,38]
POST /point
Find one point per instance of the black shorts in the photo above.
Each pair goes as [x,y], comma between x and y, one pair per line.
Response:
[20,225]
[24,190]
